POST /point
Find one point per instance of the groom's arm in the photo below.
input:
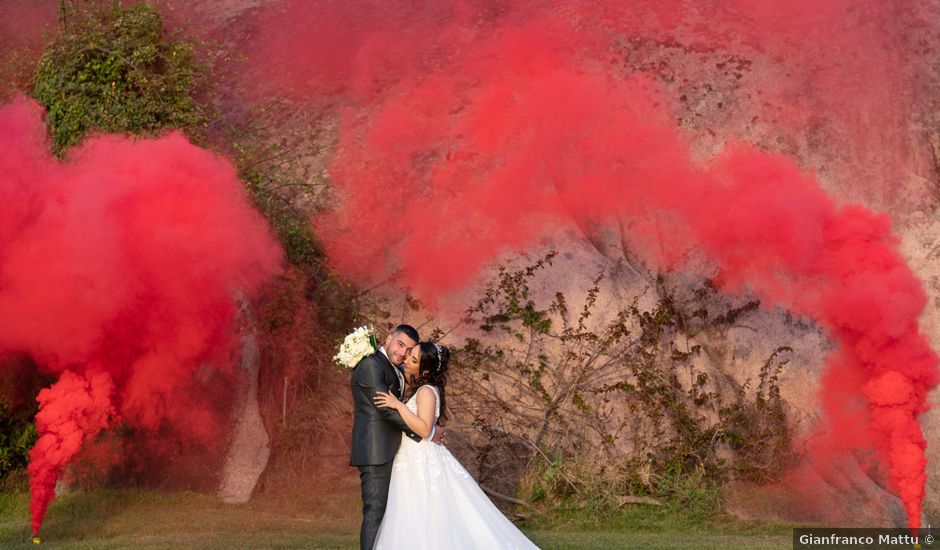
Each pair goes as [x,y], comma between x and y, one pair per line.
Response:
[369,379]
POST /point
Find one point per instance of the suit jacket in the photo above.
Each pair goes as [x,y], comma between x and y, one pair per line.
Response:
[376,433]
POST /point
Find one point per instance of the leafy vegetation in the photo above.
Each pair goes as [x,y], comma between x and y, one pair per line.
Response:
[17,436]
[114,69]
[19,384]
[628,410]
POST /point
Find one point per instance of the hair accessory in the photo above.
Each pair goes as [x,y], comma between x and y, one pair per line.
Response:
[439,353]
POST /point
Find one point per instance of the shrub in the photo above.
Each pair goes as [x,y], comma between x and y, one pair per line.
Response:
[20,381]
[114,69]
[594,413]
[17,436]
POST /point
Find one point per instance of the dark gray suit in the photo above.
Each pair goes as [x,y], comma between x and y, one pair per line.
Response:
[375,439]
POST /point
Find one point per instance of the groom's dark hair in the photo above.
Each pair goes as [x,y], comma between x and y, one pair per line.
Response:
[408,331]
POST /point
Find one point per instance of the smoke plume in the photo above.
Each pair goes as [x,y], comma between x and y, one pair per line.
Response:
[71,413]
[119,272]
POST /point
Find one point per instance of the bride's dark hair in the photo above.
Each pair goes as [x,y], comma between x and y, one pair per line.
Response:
[432,370]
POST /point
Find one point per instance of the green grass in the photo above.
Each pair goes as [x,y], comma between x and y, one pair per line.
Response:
[651,527]
[146,519]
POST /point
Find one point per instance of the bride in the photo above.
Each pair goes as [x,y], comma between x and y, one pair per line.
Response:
[433,502]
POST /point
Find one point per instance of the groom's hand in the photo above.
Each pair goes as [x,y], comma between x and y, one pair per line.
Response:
[439,435]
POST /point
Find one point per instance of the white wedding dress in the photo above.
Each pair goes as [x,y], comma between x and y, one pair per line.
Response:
[435,504]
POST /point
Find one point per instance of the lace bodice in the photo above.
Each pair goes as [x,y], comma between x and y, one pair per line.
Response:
[425,460]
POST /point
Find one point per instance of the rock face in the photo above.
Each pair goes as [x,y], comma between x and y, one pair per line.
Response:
[249,450]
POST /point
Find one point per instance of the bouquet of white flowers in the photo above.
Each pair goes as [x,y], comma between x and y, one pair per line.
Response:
[355,346]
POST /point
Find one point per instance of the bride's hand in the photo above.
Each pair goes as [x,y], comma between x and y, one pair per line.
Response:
[385,399]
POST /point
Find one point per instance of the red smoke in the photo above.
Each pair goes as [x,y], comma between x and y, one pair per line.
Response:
[496,124]
[71,413]
[120,271]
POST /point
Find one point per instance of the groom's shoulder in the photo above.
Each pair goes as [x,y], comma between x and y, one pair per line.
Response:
[374,357]
[369,368]
[369,362]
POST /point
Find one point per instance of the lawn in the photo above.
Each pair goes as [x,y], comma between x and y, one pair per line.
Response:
[148,519]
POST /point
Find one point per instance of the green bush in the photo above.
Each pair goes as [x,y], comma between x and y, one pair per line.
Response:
[20,382]
[114,69]
[17,436]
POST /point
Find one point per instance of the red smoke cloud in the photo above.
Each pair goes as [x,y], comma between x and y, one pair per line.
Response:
[120,270]
[500,124]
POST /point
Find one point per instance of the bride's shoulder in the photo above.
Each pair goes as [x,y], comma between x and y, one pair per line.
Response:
[428,389]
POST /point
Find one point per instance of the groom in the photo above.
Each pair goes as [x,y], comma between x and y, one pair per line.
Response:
[377,431]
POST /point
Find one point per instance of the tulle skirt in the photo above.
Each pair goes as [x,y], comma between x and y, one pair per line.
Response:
[435,504]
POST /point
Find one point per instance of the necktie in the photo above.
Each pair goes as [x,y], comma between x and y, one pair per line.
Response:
[401,382]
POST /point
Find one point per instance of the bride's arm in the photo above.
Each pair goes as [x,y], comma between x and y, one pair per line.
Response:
[421,423]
